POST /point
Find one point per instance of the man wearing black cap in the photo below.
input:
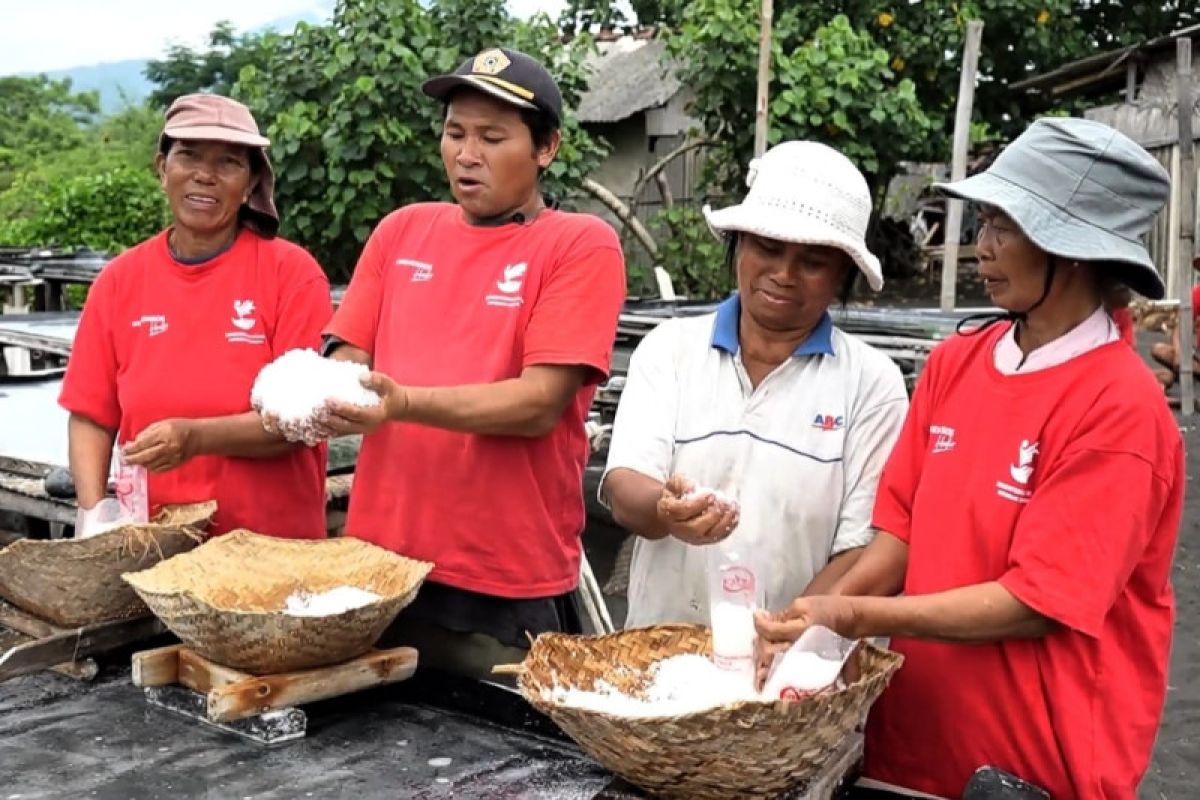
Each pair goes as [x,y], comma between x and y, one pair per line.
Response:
[488,324]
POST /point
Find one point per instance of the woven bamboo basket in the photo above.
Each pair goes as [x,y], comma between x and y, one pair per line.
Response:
[75,582]
[743,750]
[226,599]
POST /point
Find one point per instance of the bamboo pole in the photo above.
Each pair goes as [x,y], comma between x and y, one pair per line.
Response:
[761,117]
[958,162]
[1187,224]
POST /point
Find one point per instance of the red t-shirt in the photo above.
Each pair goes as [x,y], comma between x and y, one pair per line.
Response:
[159,340]
[439,302]
[1066,486]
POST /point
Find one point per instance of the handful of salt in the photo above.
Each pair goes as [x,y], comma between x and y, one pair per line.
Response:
[295,387]
[813,663]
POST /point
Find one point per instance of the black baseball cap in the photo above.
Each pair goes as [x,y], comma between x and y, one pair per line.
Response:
[507,75]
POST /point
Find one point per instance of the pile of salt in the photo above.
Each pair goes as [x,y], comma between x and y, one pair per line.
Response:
[325,604]
[295,387]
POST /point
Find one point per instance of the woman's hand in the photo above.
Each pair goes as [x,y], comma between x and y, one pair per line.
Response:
[163,446]
[778,631]
[347,419]
[698,520]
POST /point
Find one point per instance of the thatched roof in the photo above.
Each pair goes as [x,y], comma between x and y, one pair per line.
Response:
[626,77]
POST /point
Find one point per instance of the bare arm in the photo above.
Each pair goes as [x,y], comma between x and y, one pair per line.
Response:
[239,436]
[837,568]
[634,498]
[348,352]
[90,454]
[879,569]
[985,612]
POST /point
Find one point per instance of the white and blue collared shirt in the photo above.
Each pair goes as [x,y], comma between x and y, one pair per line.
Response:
[802,452]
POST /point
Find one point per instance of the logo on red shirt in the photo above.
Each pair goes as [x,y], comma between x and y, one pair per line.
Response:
[511,280]
[243,323]
[154,323]
[828,422]
[1021,473]
[943,438]
[421,270]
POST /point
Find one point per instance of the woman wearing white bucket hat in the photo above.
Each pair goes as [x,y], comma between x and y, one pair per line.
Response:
[1030,510]
[786,418]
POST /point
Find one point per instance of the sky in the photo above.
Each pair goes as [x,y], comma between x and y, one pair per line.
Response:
[40,35]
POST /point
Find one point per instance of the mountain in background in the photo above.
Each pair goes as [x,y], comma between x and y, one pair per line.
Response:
[121,82]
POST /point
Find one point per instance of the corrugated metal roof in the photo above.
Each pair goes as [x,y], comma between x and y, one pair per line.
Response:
[627,76]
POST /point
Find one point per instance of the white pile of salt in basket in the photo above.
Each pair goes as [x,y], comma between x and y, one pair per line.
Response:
[682,684]
[323,604]
[296,386]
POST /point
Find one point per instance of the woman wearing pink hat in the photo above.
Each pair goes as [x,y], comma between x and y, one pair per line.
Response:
[176,329]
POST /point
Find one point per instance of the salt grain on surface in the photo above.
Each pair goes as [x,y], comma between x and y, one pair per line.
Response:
[440,762]
[334,601]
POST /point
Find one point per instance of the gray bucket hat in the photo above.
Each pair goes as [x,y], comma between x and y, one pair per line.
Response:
[1079,190]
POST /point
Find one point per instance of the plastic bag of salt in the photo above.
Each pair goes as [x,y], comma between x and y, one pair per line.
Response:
[735,592]
[812,664]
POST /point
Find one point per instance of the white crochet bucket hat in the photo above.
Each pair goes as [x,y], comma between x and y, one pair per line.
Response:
[807,193]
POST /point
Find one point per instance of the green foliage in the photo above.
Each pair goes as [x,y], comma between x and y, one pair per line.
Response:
[109,210]
[580,16]
[353,137]
[214,69]
[691,254]
[39,116]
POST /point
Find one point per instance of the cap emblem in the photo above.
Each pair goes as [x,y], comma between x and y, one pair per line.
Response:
[490,62]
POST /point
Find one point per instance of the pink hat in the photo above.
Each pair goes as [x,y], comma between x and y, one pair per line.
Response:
[213,118]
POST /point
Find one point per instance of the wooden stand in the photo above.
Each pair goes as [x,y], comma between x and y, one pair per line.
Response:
[258,707]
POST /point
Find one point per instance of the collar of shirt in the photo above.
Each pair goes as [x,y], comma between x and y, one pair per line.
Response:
[1095,331]
[725,332]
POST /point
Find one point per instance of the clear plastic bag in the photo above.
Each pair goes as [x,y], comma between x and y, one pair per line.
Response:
[131,504]
[812,664]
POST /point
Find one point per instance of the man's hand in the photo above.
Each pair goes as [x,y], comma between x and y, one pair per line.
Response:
[698,520]
[777,632]
[346,419]
[163,446]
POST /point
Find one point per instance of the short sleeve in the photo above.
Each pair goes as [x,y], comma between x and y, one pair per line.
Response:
[870,437]
[1084,531]
[574,319]
[357,318]
[304,309]
[643,435]
[90,383]
[902,472]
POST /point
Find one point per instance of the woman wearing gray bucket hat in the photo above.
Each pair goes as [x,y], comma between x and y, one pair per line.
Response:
[787,417]
[1030,510]
[175,330]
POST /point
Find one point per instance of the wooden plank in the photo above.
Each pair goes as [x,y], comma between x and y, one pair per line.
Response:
[256,695]
[1187,224]
[762,100]
[201,675]
[158,667]
[35,507]
[958,163]
[24,622]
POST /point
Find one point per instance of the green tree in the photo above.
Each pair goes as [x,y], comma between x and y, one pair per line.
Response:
[214,69]
[40,116]
[110,209]
[352,135]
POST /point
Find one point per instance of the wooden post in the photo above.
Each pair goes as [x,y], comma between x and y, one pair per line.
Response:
[764,78]
[1187,224]
[1131,69]
[958,162]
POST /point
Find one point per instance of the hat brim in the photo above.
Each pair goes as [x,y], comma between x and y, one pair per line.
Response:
[771,223]
[215,133]
[1058,233]
[439,88]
